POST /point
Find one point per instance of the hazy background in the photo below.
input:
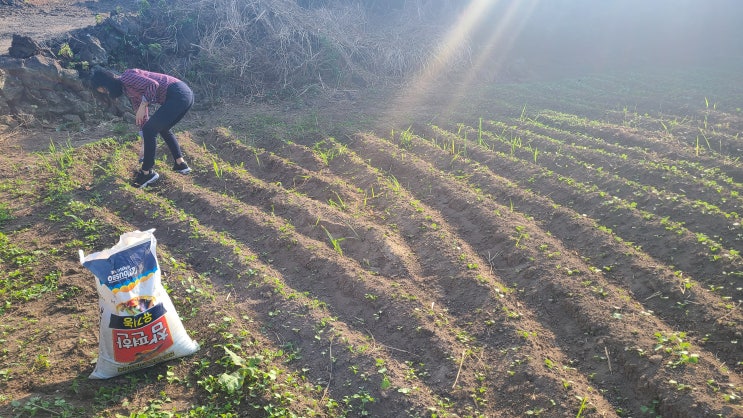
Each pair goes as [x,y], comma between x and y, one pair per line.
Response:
[546,37]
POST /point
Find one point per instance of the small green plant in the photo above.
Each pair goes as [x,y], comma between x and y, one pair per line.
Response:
[65,51]
[515,144]
[363,398]
[680,386]
[511,314]
[549,363]
[41,362]
[218,171]
[676,345]
[479,133]
[328,149]
[336,242]
[650,410]
[526,334]
[249,379]
[406,138]
[155,49]
[394,184]
[522,235]
[340,204]
[583,404]
[5,214]
[36,406]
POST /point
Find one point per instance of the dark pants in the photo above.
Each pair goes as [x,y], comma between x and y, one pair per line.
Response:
[178,100]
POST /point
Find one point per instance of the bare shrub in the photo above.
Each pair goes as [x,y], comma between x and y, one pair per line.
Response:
[261,47]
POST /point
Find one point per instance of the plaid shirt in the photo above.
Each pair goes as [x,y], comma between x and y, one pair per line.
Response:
[140,83]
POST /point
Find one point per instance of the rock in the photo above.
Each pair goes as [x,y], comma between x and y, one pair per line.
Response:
[113,32]
[23,47]
[124,24]
[89,49]
[39,88]
[4,107]
[11,90]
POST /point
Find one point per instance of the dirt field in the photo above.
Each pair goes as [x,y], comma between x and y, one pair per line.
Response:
[568,247]
[45,19]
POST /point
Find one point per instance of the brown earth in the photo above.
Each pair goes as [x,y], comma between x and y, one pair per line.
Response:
[575,252]
[46,19]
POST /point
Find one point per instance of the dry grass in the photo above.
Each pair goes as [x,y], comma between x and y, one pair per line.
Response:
[264,46]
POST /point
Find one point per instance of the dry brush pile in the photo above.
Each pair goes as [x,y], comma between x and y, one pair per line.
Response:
[261,47]
[258,50]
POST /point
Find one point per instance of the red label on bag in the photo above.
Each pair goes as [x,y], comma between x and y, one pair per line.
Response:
[142,344]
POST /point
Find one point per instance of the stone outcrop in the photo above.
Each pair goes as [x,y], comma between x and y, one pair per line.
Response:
[23,47]
[39,92]
[48,87]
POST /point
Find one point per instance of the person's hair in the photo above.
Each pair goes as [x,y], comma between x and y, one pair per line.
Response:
[109,80]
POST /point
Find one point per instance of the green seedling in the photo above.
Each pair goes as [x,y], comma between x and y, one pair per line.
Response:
[218,171]
[340,204]
[676,345]
[336,242]
[406,138]
[583,404]
[479,133]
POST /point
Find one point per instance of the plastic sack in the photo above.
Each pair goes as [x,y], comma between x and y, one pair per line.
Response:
[139,326]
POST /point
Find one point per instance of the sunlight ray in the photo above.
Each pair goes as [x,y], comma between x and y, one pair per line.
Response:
[477,19]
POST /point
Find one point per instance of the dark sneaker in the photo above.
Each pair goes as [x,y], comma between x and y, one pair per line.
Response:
[143,179]
[182,168]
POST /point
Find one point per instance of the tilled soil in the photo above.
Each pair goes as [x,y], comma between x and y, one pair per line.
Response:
[569,258]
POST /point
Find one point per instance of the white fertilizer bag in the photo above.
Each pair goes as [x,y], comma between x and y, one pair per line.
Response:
[139,325]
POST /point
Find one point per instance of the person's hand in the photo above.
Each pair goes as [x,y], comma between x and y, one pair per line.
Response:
[141,116]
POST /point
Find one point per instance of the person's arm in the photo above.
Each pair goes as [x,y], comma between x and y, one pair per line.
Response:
[141,90]
[142,112]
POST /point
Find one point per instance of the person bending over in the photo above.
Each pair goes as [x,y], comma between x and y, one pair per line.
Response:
[142,88]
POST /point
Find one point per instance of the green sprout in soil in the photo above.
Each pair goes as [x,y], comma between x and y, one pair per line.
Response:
[336,242]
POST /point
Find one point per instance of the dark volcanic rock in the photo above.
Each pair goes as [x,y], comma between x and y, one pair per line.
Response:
[41,92]
[23,47]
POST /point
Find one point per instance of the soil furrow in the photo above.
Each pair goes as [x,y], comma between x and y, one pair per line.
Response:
[557,286]
[345,287]
[470,291]
[293,315]
[625,161]
[483,313]
[288,172]
[686,252]
[658,171]
[637,138]
[635,185]
[698,310]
